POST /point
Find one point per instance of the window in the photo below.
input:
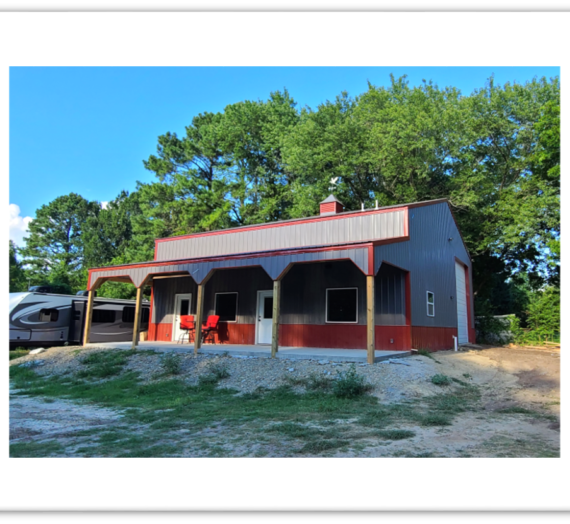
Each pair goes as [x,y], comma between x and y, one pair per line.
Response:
[342,305]
[103,316]
[430,304]
[49,315]
[226,306]
[129,315]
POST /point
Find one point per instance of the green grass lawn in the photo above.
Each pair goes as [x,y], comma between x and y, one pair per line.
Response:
[18,352]
[313,422]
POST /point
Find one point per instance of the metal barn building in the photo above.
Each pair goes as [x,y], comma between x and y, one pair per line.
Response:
[396,278]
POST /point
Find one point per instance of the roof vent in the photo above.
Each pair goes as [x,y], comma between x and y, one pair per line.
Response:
[331,206]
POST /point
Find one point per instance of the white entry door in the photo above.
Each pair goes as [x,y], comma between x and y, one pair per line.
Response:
[264,316]
[182,306]
[462,332]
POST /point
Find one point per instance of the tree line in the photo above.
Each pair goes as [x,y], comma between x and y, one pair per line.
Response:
[495,154]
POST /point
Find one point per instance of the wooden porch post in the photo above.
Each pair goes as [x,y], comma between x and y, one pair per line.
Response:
[370,338]
[138,313]
[88,315]
[199,315]
[275,324]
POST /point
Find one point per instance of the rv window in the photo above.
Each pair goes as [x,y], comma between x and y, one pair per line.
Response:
[129,314]
[342,305]
[103,316]
[49,315]
[226,306]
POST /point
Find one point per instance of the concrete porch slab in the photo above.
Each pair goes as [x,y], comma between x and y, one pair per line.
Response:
[290,353]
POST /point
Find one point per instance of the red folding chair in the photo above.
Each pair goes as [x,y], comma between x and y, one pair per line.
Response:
[211,327]
[187,326]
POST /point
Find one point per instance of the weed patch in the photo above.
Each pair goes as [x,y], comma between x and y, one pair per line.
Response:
[395,434]
[219,370]
[35,449]
[171,364]
[435,420]
[103,364]
[441,380]
[18,352]
[350,384]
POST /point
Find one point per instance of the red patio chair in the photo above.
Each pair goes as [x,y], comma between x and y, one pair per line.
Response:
[186,325]
[211,327]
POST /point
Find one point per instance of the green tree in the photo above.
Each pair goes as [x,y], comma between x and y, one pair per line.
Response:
[18,280]
[54,249]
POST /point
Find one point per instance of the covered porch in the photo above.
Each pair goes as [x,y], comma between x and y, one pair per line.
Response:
[324,302]
[288,353]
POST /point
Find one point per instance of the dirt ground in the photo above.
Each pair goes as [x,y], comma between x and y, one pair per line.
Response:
[518,413]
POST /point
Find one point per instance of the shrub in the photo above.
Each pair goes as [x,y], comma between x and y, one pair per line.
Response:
[350,384]
[441,380]
[171,364]
[491,329]
[218,370]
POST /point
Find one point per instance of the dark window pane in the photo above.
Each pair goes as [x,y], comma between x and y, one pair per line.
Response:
[226,307]
[184,306]
[128,314]
[341,305]
[103,316]
[268,307]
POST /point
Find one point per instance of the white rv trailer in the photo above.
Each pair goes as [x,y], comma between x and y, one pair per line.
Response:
[47,319]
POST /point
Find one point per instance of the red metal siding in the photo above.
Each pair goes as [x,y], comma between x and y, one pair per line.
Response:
[229,333]
[336,336]
[331,207]
[401,335]
[433,338]
[152,331]
[161,332]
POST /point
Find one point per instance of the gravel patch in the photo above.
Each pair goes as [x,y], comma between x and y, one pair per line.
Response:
[391,380]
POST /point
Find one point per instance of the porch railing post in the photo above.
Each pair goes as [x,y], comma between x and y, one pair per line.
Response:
[199,315]
[275,321]
[88,316]
[138,314]
[370,338]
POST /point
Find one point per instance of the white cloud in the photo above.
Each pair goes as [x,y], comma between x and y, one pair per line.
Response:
[104,204]
[18,225]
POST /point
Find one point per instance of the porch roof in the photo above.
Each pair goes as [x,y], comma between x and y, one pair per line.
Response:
[274,263]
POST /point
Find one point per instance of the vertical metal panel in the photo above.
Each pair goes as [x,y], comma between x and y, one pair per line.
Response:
[352,228]
[246,282]
[304,291]
[165,290]
[429,255]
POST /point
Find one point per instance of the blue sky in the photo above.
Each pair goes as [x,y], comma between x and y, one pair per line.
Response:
[88,129]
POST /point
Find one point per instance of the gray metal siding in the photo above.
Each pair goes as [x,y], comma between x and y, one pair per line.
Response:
[303,291]
[429,256]
[390,297]
[359,228]
[246,282]
[164,291]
